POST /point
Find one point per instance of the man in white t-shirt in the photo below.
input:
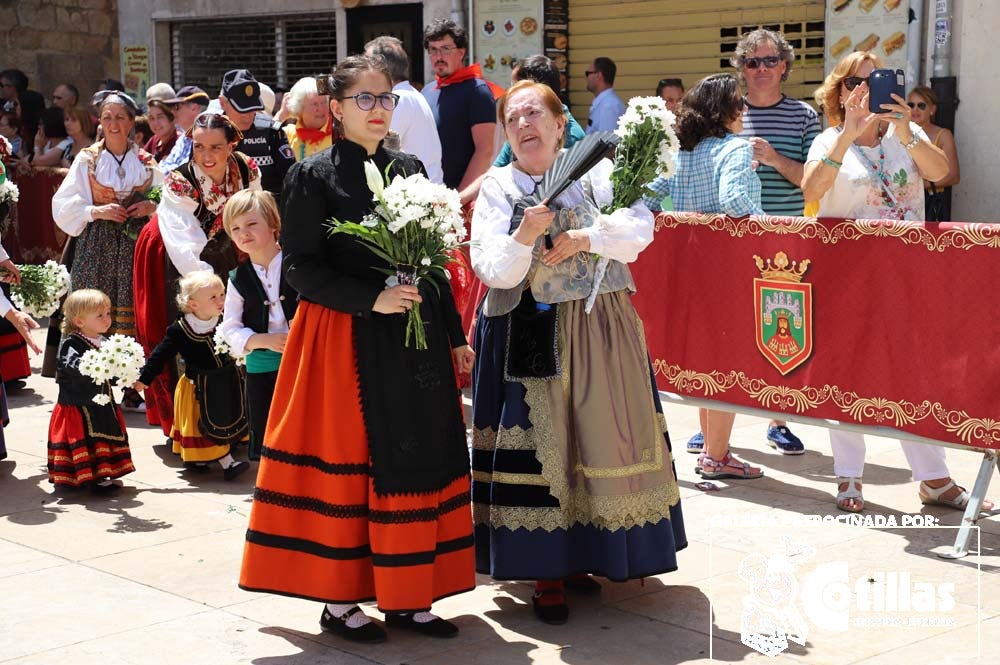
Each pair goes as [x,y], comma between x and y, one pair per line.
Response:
[413,119]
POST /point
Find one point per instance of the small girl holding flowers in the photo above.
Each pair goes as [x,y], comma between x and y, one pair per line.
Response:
[88,444]
[209,414]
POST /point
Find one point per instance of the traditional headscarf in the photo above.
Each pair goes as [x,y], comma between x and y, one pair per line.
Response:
[105,97]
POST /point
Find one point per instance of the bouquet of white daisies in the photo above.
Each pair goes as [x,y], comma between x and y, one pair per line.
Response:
[648,148]
[222,348]
[414,225]
[120,357]
[41,288]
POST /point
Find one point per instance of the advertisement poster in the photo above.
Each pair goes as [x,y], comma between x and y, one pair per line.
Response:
[506,30]
[879,26]
[135,71]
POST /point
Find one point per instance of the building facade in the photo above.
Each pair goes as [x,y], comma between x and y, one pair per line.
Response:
[195,41]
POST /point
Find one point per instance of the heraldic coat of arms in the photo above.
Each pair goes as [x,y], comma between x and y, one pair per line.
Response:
[783,312]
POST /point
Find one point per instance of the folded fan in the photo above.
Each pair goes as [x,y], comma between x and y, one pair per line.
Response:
[569,167]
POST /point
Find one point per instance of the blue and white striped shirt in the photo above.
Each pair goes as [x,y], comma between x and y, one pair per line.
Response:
[790,126]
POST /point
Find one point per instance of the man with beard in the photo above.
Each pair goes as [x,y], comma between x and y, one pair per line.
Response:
[240,100]
[782,342]
[464,106]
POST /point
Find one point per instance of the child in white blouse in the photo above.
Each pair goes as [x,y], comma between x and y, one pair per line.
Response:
[259,304]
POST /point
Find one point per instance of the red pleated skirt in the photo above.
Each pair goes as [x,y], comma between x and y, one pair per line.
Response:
[75,458]
[317,528]
[149,293]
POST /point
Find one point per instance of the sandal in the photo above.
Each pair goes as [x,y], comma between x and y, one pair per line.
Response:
[728,467]
[852,492]
[931,496]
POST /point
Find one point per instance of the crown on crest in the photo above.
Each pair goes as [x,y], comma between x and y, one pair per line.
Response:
[781,269]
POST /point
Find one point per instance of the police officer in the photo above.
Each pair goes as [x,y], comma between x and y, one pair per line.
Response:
[240,100]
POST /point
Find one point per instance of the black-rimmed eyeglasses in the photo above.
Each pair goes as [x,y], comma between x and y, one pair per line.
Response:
[366,100]
[769,61]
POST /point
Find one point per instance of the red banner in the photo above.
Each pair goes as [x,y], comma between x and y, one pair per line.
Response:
[883,323]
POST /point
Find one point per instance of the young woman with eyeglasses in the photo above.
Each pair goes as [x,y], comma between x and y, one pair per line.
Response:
[187,235]
[872,166]
[923,105]
[363,487]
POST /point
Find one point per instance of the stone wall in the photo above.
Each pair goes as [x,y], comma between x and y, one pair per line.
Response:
[55,41]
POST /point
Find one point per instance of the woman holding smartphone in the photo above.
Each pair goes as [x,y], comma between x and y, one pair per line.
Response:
[868,165]
[872,166]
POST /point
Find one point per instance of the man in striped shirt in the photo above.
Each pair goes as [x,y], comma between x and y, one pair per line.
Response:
[780,129]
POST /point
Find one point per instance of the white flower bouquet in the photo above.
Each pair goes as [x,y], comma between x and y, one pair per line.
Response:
[120,357]
[41,288]
[647,149]
[414,224]
[222,347]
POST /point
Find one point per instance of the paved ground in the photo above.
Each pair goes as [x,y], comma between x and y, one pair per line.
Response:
[149,576]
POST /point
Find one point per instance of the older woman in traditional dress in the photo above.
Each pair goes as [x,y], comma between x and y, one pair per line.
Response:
[102,204]
[572,469]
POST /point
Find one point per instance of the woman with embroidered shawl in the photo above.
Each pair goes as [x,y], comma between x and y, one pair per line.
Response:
[572,469]
[363,487]
[102,203]
[187,236]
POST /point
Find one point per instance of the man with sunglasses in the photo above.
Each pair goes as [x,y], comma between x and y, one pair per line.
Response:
[607,106]
[241,102]
[781,130]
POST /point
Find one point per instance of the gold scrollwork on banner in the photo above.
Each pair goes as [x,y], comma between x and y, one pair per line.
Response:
[986,430]
[880,409]
[978,432]
[783,397]
[964,237]
[690,381]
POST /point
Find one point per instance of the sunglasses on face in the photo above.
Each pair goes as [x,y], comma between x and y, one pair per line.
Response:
[769,61]
[366,100]
[920,105]
[852,82]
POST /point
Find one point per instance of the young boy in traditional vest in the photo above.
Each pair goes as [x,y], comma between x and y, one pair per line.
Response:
[259,302]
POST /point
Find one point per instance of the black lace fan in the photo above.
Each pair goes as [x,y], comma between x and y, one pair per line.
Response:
[569,167]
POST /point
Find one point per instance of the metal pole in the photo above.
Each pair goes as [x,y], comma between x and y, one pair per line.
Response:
[944,85]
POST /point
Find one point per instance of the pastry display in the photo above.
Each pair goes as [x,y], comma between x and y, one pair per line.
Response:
[840,46]
[868,43]
[893,43]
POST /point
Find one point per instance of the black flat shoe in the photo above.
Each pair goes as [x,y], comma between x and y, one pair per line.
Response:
[234,470]
[370,633]
[196,467]
[582,584]
[104,490]
[436,627]
[556,614]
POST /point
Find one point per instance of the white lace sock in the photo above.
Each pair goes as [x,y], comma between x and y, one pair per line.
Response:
[105,482]
[227,461]
[356,620]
